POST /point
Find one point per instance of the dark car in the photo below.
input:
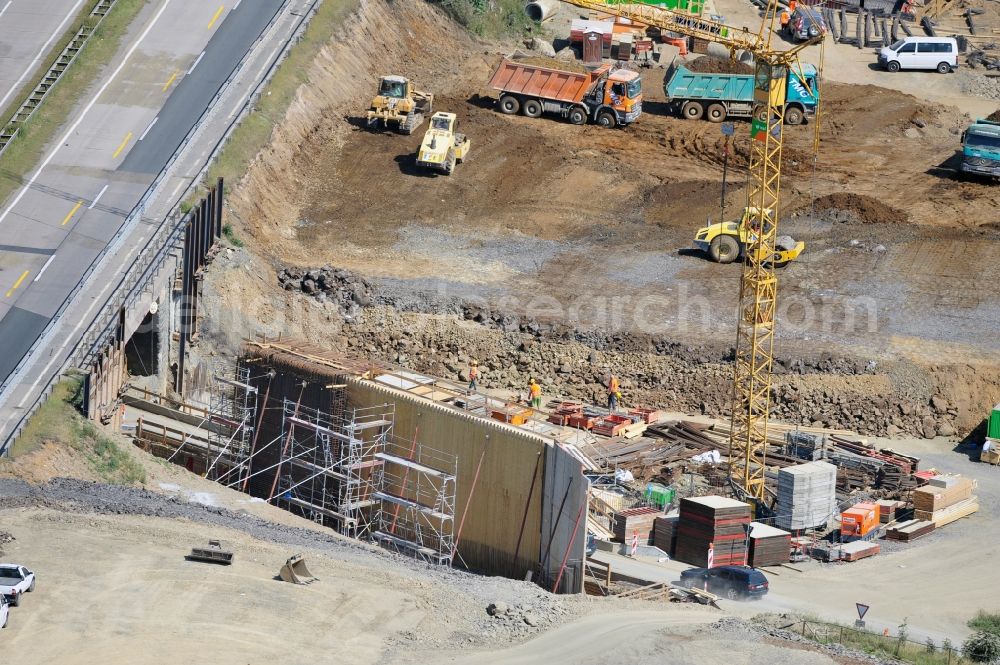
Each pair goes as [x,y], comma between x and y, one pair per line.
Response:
[805,23]
[733,582]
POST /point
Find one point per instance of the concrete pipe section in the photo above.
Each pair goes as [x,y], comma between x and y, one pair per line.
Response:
[541,10]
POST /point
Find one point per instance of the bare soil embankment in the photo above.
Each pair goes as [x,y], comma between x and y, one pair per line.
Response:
[593,228]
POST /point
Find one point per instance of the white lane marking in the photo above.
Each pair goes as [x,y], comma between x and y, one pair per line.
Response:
[97,198]
[83,115]
[42,271]
[149,128]
[196,62]
[235,7]
[54,357]
[41,52]
[176,189]
[10,2]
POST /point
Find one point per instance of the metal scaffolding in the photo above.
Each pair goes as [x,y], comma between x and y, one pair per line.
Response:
[232,419]
[415,489]
[329,466]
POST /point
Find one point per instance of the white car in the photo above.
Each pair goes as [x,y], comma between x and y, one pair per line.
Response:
[15,581]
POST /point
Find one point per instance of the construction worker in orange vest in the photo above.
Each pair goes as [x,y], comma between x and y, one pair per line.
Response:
[534,394]
[613,393]
[784,18]
[473,376]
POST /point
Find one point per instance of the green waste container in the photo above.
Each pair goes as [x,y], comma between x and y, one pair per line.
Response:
[659,495]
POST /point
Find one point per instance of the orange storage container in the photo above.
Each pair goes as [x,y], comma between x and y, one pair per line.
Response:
[859,519]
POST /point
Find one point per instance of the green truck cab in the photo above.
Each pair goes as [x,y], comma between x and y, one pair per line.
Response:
[981,149]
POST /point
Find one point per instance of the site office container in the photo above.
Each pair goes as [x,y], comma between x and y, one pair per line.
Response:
[859,519]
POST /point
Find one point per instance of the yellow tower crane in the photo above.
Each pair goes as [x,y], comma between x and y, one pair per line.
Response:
[758,285]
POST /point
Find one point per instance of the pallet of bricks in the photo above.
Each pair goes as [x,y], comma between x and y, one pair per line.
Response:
[945,499]
[716,523]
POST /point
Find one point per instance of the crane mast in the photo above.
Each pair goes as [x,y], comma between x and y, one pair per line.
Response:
[758,284]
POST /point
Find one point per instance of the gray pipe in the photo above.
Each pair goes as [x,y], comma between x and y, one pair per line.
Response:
[541,10]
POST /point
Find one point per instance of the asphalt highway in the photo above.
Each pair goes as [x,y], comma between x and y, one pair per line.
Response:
[171,64]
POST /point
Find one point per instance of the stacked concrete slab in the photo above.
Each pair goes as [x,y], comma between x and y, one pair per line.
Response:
[806,495]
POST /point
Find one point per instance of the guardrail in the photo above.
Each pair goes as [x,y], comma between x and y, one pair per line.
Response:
[150,259]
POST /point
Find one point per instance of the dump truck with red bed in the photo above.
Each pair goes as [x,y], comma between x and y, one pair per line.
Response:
[606,96]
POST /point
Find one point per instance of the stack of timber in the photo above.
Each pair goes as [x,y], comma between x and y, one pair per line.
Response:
[665,533]
[909,530]
[806,495]
[716,523]
[769,546]
[634,521]
[945,499]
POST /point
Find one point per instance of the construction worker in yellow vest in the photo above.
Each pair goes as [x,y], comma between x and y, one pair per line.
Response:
[534,394]
[614,394]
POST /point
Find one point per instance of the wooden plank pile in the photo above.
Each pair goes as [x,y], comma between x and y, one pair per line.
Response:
[716,522]
[806,495]
[941,492]
[665,533]
[945,499]
[634,521]
[909,530]
[769,546]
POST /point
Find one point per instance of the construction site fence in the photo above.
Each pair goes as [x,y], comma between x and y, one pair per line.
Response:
[883,644]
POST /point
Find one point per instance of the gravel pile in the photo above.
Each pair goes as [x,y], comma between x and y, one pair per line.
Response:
[767,626]
[980,86]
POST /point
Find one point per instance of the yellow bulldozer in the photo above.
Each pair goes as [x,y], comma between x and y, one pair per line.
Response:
[398,103]
[726,241]
[443,146]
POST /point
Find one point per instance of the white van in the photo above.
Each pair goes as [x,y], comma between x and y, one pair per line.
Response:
[940,53]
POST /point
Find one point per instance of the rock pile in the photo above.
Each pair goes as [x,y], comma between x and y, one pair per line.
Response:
[341,287]
[569,362]
[4,539]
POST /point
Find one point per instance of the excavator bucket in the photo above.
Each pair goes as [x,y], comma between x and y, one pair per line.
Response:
[296,572]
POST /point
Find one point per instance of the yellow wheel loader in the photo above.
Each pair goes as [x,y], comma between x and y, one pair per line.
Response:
[443,146]
[726,241]
[397,103]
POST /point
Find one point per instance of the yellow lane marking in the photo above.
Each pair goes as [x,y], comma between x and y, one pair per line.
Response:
[170,80]
[17,283]
[72,212]
[128,137]
[215,18]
